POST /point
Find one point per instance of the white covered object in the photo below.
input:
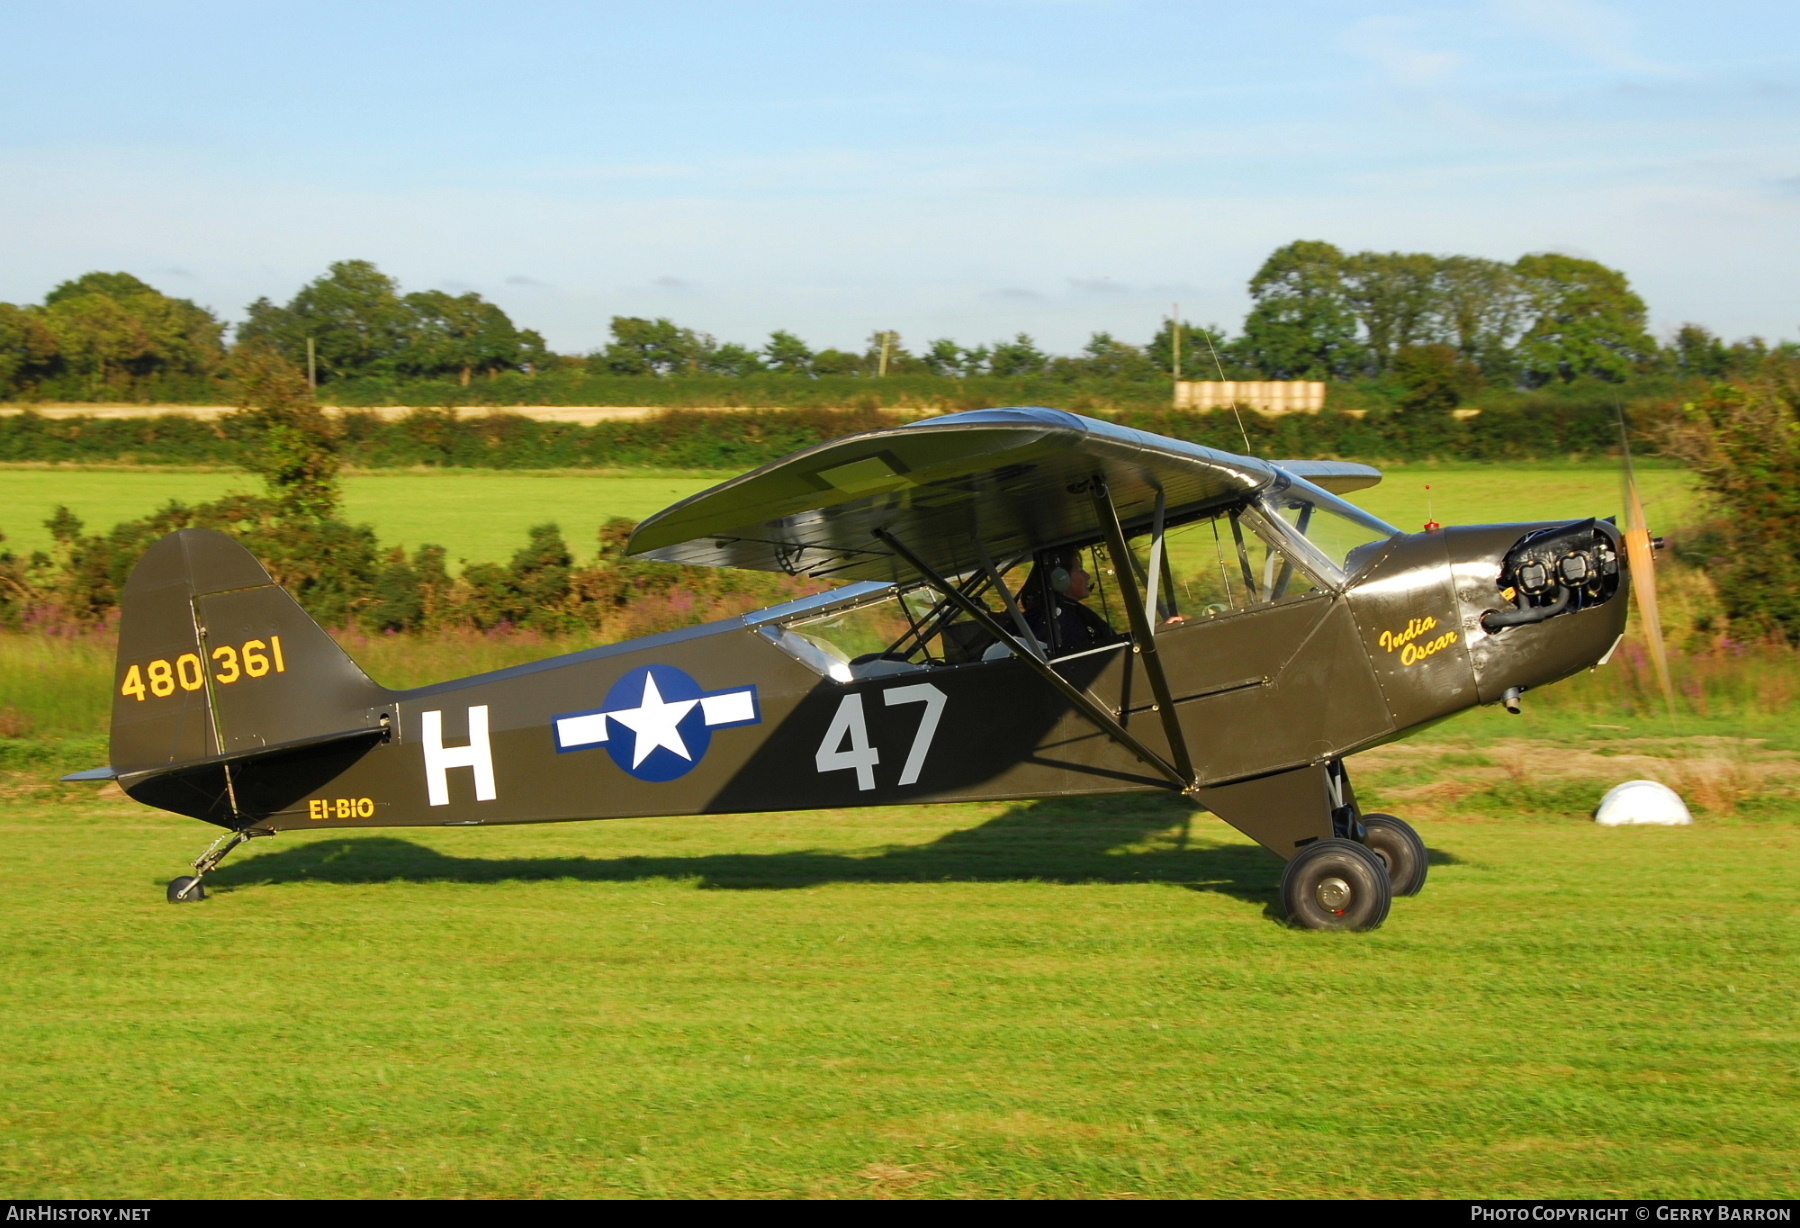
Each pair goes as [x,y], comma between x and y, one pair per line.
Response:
[1642,801]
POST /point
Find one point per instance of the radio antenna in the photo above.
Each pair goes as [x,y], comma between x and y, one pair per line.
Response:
[1220,368]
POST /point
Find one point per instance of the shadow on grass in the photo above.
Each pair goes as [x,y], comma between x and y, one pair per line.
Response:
[1081,840]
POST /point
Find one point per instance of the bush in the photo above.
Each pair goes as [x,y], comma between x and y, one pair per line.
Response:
[1743,441]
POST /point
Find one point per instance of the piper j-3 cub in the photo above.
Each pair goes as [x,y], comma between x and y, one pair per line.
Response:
[1030,604]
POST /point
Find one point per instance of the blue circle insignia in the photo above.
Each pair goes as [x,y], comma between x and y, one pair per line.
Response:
[656,726]
[657,723]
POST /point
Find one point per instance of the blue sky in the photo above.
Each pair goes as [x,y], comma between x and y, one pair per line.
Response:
[963,168]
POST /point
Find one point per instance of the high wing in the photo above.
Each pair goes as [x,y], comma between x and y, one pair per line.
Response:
[1002,482]
[1339,477]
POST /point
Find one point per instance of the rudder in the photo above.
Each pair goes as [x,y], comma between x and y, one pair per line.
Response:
[216,659]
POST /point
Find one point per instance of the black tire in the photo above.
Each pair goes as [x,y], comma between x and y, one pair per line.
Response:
[1336,885]
[1400,849]
[186,889]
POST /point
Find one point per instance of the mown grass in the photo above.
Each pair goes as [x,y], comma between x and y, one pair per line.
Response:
[1069,999]
[1080,998]
[1492,494]
[483,515]
[477,515]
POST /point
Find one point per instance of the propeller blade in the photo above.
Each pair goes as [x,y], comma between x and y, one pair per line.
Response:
[1640,555]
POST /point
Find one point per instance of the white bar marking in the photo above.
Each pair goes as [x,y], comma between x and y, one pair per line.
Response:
[573,731]
[731,708]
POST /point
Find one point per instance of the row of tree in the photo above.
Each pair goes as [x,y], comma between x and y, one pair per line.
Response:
[111,334]
[1446,323]
[1320,313]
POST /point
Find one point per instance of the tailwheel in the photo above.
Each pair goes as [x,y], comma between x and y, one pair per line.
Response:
[1400,849]
[186,889]
[1336,884]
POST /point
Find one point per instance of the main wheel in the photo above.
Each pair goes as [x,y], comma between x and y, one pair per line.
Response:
[1400,849]
[186,889]
[1336,885]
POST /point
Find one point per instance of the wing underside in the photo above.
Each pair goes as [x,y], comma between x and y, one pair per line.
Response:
[960,491]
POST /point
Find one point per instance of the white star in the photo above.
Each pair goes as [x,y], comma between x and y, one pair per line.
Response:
[655,723]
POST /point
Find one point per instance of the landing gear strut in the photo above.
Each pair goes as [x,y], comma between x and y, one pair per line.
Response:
[188,887]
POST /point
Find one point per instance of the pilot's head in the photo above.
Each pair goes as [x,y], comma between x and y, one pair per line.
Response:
[1067,579]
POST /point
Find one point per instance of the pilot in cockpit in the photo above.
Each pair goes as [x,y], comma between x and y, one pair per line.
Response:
[1059,581]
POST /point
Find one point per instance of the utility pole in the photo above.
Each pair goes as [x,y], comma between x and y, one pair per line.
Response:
[312,366]
[887,339]
[1175,336]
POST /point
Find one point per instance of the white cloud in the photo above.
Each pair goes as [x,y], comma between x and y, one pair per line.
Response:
[1393,44]
[1584,28]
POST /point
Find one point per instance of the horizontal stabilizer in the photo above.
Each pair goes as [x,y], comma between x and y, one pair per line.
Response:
[91,774]
[258,754]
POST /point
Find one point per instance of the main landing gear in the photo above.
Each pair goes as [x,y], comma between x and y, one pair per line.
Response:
[1349,881]
[1336,884]
[188,887]
[1400,849]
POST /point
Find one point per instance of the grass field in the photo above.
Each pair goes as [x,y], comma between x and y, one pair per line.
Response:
[484,514]
[478,514]
[1069,999]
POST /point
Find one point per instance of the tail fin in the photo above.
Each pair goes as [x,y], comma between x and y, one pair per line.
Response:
[217,660]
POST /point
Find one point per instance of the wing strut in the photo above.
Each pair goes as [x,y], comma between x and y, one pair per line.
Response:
[1142,631]
[1084,703]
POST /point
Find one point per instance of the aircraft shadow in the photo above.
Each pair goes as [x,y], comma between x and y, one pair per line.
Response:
[1082,840]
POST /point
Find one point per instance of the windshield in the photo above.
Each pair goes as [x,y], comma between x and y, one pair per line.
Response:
[1225,562]
[1345,534]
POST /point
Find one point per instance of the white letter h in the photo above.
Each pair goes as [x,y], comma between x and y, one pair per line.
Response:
[439,758]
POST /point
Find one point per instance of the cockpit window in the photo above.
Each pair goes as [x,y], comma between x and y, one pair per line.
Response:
[1224,562]
[866,639]
[1345,534]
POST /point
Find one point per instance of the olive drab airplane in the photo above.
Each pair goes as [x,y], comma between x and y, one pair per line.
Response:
[1028,603]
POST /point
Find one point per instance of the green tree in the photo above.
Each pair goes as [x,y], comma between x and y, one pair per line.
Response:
[1393,295]
[732,359]
[1480,307]
[1106,357]
[1020,356]
[290,442]
[1436,377]
[654,347]
[114,331]
[354,315]
[464,334]
[945,357]
[27,350]
[1586,321]
[1199,346]
[1301,323]
[788,354]
[110,285]
[1742,440]
[837,362]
